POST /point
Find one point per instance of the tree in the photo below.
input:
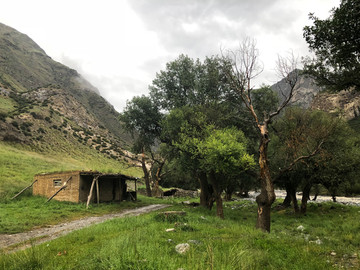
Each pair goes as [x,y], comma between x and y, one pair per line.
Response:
[243,68]
[142,119]
[190,90]
[188,82]
[323,146]
[336,44]
[298,136]
[221,154]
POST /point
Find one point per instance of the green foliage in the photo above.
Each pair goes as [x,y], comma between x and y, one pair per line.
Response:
[188,82]
[265,101]
[142,118]
[336,44]
[329,143]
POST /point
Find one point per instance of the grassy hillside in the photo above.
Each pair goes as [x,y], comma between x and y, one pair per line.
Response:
[19,164]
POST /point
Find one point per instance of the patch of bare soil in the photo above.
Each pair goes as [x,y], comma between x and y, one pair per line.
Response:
[13,242]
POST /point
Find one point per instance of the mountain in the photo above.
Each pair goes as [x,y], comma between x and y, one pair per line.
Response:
[309,95]
[43,102]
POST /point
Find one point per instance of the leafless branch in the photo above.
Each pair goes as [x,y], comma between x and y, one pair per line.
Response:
[295,161]
[287,70]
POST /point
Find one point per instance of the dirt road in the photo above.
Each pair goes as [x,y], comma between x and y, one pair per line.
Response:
[41,235]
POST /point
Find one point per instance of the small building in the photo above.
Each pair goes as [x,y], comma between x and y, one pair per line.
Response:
[84,186]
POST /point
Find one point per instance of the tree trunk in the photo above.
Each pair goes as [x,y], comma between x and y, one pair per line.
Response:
[217,195]
[206,192]
[146,174]
[157,192]
[294,199]
[305,198]
[228,194]
[267,195]
[287,200]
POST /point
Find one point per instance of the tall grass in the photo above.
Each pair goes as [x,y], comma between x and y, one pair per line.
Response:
[143,243]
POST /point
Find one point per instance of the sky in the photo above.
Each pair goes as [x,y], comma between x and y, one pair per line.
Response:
[120,45]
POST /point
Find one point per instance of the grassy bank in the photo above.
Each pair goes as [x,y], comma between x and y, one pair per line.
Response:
[329,238]
[19,164]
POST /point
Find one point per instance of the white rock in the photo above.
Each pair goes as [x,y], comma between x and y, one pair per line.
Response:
[300,228]
[170,230]
[182,248]
[333,253]
[318,241]
[195,242]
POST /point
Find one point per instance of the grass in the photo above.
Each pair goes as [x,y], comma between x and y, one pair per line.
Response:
[143,243]
[19,164]
[30,212]
[6,104]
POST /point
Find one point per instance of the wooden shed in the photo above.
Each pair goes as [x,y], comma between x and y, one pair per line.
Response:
[84,186]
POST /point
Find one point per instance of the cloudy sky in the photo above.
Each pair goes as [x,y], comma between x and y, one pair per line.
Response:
[119,45]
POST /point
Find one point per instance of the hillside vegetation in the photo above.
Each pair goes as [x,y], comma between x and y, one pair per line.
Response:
[19,164]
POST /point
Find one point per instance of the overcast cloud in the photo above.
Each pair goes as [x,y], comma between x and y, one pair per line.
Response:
[119,45]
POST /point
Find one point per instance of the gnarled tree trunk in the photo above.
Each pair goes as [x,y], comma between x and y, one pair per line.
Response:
[267,195]
[206,192]
[305,198]
[146,174]
[217,195]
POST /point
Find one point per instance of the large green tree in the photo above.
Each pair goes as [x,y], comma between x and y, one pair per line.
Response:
[142,119]
[220,153]
[335,42]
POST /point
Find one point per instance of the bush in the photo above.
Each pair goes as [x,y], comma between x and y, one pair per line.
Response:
[15,124]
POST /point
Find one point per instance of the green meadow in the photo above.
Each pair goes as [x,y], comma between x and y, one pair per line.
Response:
[326,238]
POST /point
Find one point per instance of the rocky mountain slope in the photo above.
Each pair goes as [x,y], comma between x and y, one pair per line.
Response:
[43,102]
[345,104]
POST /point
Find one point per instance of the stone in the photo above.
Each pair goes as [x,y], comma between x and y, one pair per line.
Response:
[182,248]
[333,253]
[170,230]
[195,242]
[300,228]
[354,256]
[318,241]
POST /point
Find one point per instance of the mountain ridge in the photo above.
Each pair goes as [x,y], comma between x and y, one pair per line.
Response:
[39,95]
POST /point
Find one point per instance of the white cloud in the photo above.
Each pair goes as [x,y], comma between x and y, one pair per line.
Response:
[119,45]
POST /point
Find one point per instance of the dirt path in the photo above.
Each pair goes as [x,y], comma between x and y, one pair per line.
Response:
[37,236]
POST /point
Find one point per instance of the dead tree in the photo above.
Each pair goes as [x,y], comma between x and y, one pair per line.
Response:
[241,68]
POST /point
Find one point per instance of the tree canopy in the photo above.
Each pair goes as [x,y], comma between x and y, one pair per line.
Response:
[336,44]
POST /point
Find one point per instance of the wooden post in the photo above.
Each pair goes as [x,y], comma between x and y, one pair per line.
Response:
[24,190]
[63,187]
[91,191]
[97,191]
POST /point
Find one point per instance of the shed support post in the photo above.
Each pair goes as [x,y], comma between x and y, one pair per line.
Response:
[97,191]
[91,191]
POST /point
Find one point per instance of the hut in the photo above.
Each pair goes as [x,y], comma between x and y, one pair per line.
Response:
[84,186]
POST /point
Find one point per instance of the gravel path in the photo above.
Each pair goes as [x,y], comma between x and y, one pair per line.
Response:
[51,232]
[342,200]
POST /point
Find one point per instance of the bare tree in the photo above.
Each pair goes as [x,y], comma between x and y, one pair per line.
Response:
[241,67]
